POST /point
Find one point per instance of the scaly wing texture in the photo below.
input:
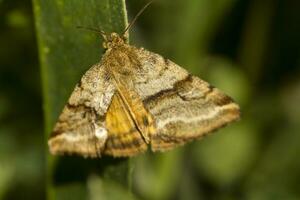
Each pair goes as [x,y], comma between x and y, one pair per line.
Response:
[184,107]
[80,128]
[124,139]
[140,115]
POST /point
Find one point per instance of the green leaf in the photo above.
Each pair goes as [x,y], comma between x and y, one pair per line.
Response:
[65,54]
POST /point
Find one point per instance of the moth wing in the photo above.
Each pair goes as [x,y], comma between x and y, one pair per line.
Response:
[124,138]
[140,115]
[80,128]
[184,107]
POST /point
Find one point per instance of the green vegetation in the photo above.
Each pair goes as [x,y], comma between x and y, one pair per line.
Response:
[65,54]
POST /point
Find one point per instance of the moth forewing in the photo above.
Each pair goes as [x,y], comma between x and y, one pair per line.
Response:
[80,127]
[183,106]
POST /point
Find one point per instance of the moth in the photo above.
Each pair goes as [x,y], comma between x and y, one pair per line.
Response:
[133,99]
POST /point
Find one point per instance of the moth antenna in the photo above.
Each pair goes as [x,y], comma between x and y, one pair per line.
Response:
[104,35]
[136,17]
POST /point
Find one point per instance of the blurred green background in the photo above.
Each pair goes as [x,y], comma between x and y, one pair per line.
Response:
[248,48]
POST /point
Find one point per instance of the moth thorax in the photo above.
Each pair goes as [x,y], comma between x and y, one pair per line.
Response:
[113,40]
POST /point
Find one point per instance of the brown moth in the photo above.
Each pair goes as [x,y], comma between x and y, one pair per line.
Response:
[134,98]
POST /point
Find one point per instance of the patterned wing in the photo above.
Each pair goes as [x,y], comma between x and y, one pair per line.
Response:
[80,128]
[124,138]
[184,107]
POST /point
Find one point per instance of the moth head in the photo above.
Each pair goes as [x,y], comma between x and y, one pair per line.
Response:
[113,40]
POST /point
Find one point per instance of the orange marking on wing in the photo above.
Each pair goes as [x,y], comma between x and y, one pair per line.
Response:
[124,139]
[141,116]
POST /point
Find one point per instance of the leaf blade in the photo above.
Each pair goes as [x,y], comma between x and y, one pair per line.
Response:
[65,54]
